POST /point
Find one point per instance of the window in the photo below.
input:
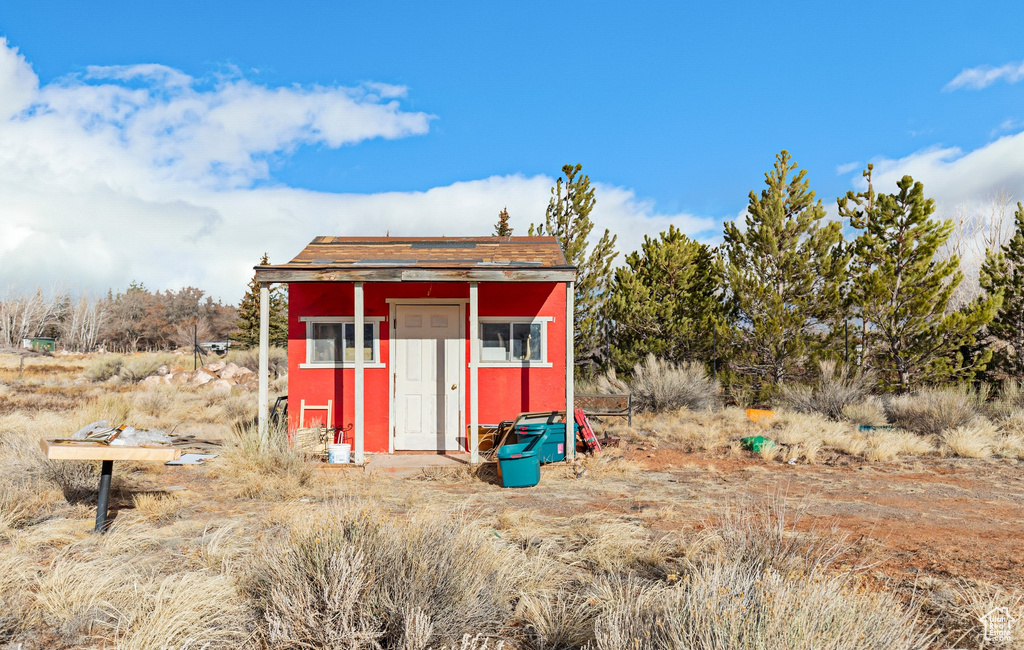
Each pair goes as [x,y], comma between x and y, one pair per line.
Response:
[511,341]
[331,342]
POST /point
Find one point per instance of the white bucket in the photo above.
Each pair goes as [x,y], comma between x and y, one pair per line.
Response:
[338,454]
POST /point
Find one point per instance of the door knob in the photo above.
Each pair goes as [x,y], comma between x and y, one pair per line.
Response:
[454,386]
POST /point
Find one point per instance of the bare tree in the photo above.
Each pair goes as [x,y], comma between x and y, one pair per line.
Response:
[976,229]
[81,324]
[26,316]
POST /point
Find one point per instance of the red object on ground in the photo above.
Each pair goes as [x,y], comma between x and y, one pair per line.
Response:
[589,439]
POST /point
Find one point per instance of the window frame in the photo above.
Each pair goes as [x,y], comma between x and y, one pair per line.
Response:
[310,321]
[543,321]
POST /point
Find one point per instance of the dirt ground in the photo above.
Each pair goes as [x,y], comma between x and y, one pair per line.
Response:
[952,518]
[919,518]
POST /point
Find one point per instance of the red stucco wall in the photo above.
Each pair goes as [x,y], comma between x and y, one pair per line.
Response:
[504,392]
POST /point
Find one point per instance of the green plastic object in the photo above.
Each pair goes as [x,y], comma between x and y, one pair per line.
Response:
[757,444]
[552,439]
[520,464]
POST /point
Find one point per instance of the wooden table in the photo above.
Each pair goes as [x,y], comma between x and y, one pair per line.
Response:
[81,450]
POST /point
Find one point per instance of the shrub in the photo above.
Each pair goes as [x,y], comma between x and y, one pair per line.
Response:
[267,468]
[934,410]
[138,367]
[1008,402]
[422,580]
[834,389]
[658,385]
[103,367]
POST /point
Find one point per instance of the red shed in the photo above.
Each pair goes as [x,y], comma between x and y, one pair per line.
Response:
[453,332]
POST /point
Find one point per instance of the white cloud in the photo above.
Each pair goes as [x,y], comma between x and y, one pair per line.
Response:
[955,178]
[18,84]
[846,168]
[144,173]
[984,76]
[151,71]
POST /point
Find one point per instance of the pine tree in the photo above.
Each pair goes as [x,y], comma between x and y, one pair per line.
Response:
[665,301]
[901,292]
[248,334]
[502,229]
[1003,274]
[783,274]
[568,219]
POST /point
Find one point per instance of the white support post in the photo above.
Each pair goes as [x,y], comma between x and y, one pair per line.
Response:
[360,362]
[474,365]
[263,401]
[570,388]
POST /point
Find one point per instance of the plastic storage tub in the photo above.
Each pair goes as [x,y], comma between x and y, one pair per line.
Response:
[551,436]
[519,465]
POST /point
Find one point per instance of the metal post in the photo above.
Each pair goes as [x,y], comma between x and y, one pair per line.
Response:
[104,496]
[263,401]
[570,389]
[474,374]
[846,341]
[359,363]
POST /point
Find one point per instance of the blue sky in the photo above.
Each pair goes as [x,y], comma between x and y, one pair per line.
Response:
[676,109]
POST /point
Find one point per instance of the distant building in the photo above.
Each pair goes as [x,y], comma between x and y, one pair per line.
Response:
[39,343]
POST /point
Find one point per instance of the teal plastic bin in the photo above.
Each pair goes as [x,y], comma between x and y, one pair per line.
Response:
[519,464]
[551,436]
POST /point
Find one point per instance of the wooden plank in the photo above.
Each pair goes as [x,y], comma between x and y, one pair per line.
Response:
[81,450]
[399,274]
[602,402]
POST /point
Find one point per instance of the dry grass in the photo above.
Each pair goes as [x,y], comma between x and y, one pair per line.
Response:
[352,577]
[935,410]
[970,441]
[157,508]
[278,360]
[262,552]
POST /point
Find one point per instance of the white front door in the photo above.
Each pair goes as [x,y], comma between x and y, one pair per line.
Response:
[426,366]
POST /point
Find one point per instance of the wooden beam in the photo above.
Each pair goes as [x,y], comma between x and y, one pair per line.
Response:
[360,362]
[263,401]
[570,388]
[474,366]
[82,450]
[361,274]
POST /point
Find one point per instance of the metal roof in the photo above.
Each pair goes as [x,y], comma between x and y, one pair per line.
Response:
[424,259]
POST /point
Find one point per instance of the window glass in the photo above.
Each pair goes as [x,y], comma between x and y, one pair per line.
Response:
[526,341]
[350,342]
[495,342]
[327,342]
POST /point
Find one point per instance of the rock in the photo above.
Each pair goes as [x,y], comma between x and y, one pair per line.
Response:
[243,372]
[201,377]
[179,378]
[215,367]
[154,380]
[163,371]
[220,386]
[230,371]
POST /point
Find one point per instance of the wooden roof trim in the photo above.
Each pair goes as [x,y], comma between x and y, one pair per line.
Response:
[287,274]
